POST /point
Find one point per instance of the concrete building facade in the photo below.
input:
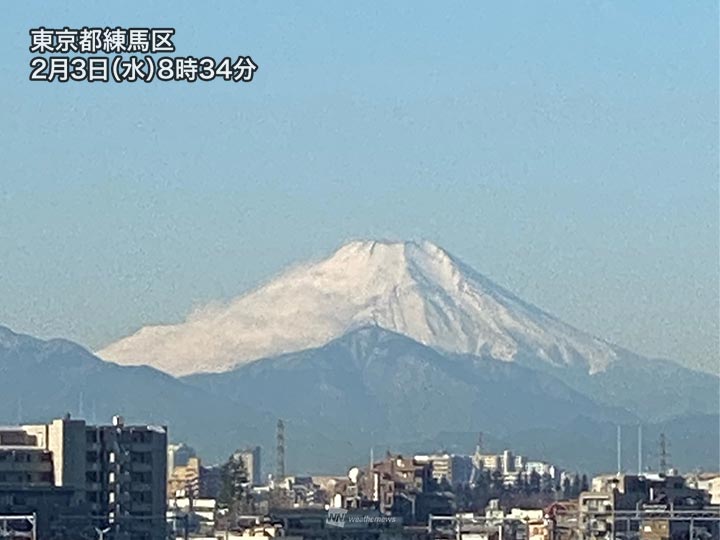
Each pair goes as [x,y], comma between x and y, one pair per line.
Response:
[452,469]
[253,464]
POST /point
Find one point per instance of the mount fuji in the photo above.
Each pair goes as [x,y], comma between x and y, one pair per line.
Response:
[419,291]
[414,289]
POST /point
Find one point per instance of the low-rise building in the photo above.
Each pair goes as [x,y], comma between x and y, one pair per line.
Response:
[397,486]
[627,504]
[708,482]
[197,516]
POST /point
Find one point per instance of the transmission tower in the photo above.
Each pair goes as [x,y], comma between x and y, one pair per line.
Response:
[664,454]
[640,450]
[280,452]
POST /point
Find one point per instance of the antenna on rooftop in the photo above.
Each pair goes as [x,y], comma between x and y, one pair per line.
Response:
[619,449]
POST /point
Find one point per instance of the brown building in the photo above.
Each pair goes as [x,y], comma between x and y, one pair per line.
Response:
[396,481]
[397,486]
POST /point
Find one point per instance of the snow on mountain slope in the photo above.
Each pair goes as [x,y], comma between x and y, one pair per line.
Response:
[415,289]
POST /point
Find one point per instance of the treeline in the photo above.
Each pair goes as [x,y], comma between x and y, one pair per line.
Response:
[529,490]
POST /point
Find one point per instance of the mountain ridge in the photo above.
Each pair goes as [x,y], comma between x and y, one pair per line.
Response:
[387,391]
[371,373]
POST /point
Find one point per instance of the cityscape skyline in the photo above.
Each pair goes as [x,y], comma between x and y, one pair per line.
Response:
[406,270]
[70,479]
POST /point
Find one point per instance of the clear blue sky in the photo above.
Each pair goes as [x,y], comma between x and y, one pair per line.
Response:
[568,150]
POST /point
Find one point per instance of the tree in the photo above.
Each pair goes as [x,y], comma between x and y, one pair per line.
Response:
[520,483]
[234,489]
[497,482]
[482,481]
[534,482]
[566,488]
[547,484]
[575,489]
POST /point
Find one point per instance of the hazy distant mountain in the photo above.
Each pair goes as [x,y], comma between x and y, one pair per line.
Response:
[414,289]
[376,388]
[654,389]
[591,446]
[372,385]
[41,380]
[368,388]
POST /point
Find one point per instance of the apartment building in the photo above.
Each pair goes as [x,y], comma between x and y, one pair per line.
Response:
[178,455]
[251,459]
[116,472]
[27,484]
[452,469]
[22,462]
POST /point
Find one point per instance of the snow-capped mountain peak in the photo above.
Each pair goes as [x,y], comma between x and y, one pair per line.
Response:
[412,288]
